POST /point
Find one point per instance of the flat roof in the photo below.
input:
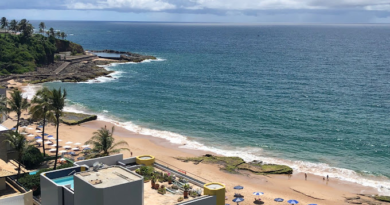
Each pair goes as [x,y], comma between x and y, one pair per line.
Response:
[108,177]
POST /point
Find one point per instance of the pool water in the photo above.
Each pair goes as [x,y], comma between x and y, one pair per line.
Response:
[65,181]
[33,173]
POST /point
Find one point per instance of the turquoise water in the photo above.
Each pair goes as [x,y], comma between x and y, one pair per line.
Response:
[314,97]
[33,173]
[64,181]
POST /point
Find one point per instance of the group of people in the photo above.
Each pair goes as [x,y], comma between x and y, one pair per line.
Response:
[327,177]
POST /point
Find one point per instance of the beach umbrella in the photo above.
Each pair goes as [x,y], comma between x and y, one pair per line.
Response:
[278,199]
[40,126]
[30,135]
[45,134]
[50,137]
[23,133]
[38,137]
[85,145]
[239,187]
[54,145]
[53,150]
[48,142]
[238,200]
[39,140]
[76,149]
[69,142]
[13,129]
[59,140]
[87,148]
[77,143]
[30,128]
[67,147]
[24,127]
[63,151]
[312,204]
[292,201]
[38,131]
[258,193]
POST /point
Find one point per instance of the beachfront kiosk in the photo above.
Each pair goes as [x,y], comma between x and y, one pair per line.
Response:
[215,189]
[147,160]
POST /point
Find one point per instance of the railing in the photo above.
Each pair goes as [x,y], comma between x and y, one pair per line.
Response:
[182,171]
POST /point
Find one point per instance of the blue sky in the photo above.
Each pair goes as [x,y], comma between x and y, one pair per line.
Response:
[263,11]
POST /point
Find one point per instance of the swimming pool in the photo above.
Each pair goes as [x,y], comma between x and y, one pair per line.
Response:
[65,181]
[33,173]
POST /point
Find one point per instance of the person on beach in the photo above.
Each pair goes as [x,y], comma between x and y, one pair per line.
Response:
[327,177]
[323,178]
[131,154]
[305,176]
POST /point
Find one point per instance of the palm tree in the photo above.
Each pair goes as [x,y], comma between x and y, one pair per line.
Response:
[19,143]
[3,106]
[4,23]
[63,35]
[41,110]
[13,25]
[57,103]
[104,143]
[17,104]
[22,25]
[48,33]
[42,27]
[51,31]
[58,34]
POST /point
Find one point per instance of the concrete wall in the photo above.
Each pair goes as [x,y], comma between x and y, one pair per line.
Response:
[85,193]
[128,160]
[68,196]
[205,200]
[2,183]
[20,199]
[61,173]
[51,194]
[109,160]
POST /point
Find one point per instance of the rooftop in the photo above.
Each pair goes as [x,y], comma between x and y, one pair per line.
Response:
[108,177]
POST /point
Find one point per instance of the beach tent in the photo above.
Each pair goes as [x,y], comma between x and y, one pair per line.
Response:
[292,201]
[278,199]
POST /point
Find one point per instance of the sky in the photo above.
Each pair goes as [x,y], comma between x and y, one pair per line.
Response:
[261,11]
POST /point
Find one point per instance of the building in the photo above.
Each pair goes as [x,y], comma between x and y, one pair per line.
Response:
[6,152]
[113,180]
[11,193]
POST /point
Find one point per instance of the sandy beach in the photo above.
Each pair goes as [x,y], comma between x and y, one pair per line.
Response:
[314,190]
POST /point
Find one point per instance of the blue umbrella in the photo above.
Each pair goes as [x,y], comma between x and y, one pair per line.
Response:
[38,137]
[227,204]
[238,200]
[258,193]
[50,136]
[40,126]
[87,148]
[312,204]
[292,201]
[279,200]
[238,187]
[13,129]
[45,134]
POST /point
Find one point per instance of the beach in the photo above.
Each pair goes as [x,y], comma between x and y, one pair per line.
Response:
[314,190]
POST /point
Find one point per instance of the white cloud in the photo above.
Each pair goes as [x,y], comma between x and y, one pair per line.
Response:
[151,5]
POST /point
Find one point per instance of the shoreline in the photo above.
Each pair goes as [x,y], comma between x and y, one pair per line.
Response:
[296,187]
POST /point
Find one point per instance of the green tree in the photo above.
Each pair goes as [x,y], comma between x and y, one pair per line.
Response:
[47,33]
[19,143]
[4,23]
[28,30]
[104,143]
[41,109]
[32,158]
[42,27]
[17,104]
[13,25]
[3,105]
[57,103]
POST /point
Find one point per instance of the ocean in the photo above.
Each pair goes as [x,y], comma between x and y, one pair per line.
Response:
[314,97]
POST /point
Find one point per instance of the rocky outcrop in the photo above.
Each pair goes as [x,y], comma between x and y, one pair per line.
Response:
[127,56]
[64,45]
[236,164]
[71,118]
